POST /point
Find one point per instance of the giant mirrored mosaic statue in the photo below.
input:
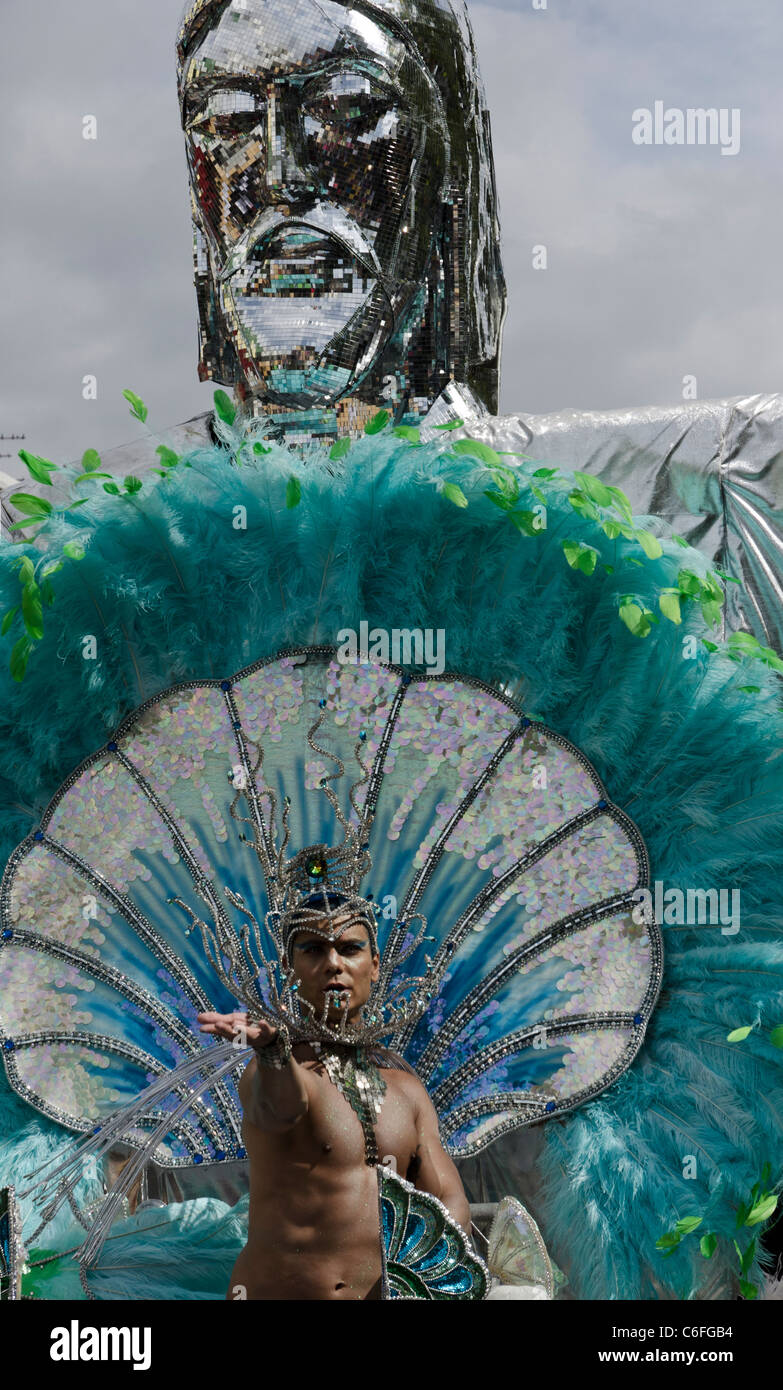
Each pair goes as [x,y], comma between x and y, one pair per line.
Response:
[344,204]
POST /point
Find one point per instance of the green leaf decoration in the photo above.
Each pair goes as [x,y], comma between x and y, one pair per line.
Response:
[739,1034]
[73,550]
[689,583]
[259,448]
[225,409]
[636,619]
[505,503]
[527,522]
[47,592]
[474,448]
[91,460]
[112,489]
[293,492]
[138,409]
[133,484]
[750,689]
[762,1210]
[680,541]
[711,646]
[688,1224]
[748,1290]
[580,556]
[29,505]
[378,422]
[711,612]
[611,529]
[20,657]
[26,569]
[168,457]
[597,491]
[507,483]
[669,1241]
[669,604]
[38,468]
[708,1245]
[32,610]
[546,473]
[622,505]
[581,503]
[84,476]
[727,578]
[776,1038]
[450,425]
[453,493]
[8,619]
[408,432]
[747,1259]
[650,544]
[340,449]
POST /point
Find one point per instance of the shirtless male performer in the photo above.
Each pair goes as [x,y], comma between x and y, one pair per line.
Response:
[313,1225]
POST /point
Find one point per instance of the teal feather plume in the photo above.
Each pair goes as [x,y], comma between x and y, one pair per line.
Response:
[172,590]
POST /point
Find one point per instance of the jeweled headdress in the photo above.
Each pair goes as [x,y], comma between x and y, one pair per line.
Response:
[316,890]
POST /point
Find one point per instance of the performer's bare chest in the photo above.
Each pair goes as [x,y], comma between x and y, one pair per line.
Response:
[330,1135]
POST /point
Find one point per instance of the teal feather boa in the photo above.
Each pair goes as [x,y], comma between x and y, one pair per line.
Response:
[174,587]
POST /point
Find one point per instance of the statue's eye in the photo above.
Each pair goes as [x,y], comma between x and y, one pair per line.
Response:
[354,101]
[227,112]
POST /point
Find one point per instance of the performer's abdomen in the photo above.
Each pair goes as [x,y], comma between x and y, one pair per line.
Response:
[321,1241]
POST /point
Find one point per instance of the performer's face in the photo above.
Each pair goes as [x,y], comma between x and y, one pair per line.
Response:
[341,970]
[318,153]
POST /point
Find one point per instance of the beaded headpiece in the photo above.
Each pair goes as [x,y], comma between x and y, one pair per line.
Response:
[317,890]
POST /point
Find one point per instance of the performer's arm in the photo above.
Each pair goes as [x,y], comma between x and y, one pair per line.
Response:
[273,1098]
[435,1171]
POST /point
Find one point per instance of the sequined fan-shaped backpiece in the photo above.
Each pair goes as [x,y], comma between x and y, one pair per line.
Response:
[488,828]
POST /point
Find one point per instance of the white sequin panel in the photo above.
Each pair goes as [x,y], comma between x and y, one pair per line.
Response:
[358,700]
[38,992]
[592,1055]
[104,817]
[175,743]
[48,897]
[607,967]
[596,863]
[66,1077]
[446,730]
[538,788]
[269,699]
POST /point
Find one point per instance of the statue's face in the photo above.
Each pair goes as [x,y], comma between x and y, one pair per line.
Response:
[318,152]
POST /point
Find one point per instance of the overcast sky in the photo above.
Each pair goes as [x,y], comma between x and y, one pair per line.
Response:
[663,261]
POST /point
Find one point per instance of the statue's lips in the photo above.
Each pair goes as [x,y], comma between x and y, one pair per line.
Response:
[300,261]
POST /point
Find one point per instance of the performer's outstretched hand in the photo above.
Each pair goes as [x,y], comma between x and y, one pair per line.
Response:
[231,1026]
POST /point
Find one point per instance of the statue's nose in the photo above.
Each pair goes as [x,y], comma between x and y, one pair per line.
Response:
[287,171]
